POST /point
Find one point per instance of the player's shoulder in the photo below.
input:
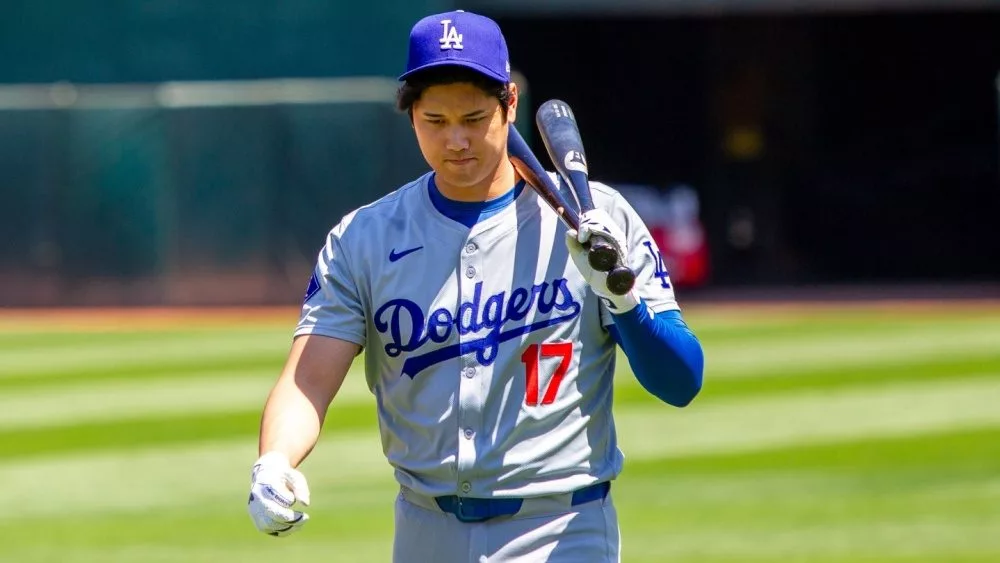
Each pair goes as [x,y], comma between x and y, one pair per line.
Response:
[605,196]
[605,190]
[392,207]
[616,204]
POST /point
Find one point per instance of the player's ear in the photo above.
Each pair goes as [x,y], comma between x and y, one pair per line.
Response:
[512,102]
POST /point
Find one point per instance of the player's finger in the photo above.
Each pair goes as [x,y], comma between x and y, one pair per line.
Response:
[276,492]
[610,240]
[299,519]
[279,513]
[269,515]
[298,485]
[292,527]
[572,242]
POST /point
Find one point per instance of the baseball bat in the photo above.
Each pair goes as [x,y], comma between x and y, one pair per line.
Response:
[561,135]
[528,166]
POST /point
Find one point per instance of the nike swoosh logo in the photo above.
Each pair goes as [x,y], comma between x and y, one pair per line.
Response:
[393,255]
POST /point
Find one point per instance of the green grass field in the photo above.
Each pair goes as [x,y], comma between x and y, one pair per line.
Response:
[847,434]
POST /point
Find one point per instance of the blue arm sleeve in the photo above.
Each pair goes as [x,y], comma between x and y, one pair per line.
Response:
[663,352]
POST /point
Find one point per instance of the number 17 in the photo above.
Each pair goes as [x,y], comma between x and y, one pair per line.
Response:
[531,357]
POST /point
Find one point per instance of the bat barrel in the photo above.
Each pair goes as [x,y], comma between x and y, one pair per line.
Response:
[527,165]
[561,136]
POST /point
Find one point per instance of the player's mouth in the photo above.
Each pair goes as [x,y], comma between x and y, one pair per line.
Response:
[461,161]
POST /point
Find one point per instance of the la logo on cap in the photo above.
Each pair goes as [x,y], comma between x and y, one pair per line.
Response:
[450,37]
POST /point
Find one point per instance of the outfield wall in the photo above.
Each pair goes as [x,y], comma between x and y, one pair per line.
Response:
[824,148]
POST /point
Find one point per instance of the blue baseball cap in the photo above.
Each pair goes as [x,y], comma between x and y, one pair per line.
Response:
[458,38]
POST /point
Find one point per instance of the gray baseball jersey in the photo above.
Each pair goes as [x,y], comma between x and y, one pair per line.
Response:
[485,348]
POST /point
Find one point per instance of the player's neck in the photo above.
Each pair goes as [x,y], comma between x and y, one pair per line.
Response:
[494,186]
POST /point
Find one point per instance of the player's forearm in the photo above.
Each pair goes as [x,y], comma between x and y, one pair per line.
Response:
[296,407]
[290,424]
[664,354]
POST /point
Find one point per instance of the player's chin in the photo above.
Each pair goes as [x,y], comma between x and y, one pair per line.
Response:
[464,167]
[466,174]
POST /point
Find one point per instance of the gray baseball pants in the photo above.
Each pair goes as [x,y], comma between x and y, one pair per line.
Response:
[545,530]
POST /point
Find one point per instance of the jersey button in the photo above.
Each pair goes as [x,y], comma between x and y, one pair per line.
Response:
[466,487]
[469,372]
[470,272]
[469,433]
[471,247]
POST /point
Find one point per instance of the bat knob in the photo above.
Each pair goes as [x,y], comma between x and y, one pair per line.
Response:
[602,257]
[620,280]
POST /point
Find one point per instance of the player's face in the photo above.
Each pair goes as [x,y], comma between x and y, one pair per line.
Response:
[462,134]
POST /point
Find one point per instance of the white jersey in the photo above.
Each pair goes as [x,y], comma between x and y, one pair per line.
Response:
[485,349]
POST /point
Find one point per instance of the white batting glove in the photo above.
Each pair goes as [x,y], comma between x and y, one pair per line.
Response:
[275,486]
[598,222]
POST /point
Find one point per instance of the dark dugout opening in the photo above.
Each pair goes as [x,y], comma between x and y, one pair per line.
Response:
[859,147]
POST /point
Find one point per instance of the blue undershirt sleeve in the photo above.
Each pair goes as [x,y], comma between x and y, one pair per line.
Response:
[663,352]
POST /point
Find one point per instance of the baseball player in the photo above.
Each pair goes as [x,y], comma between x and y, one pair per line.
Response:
[489,341]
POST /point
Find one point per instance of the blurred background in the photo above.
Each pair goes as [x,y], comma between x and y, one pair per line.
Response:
[821,175]
[173,152]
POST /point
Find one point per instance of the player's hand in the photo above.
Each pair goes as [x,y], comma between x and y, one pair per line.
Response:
[275,486]
[597,222]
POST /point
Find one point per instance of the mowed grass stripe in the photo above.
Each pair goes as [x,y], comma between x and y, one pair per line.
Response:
[720,316]
[366,537]
[133,399]
[250,363]
[973,452]
[143,433]
[30,340]
[161,431]
[763,330]
[197,345]
[124,400]
[864,500]
[355,524]
[186,475]
[873,499]
[735,360]
[821,376]
[809,417]
[907,538]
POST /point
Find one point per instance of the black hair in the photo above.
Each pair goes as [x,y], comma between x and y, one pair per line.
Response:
[415,84]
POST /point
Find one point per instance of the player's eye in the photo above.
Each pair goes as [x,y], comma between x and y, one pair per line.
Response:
[475,119]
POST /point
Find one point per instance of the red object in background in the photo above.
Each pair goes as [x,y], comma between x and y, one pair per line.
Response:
[673,222]
[685,253]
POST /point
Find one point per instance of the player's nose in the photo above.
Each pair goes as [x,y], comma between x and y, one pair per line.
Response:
[456,139]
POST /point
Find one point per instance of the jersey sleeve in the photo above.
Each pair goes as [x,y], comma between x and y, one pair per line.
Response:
[652,280]
[333,305]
